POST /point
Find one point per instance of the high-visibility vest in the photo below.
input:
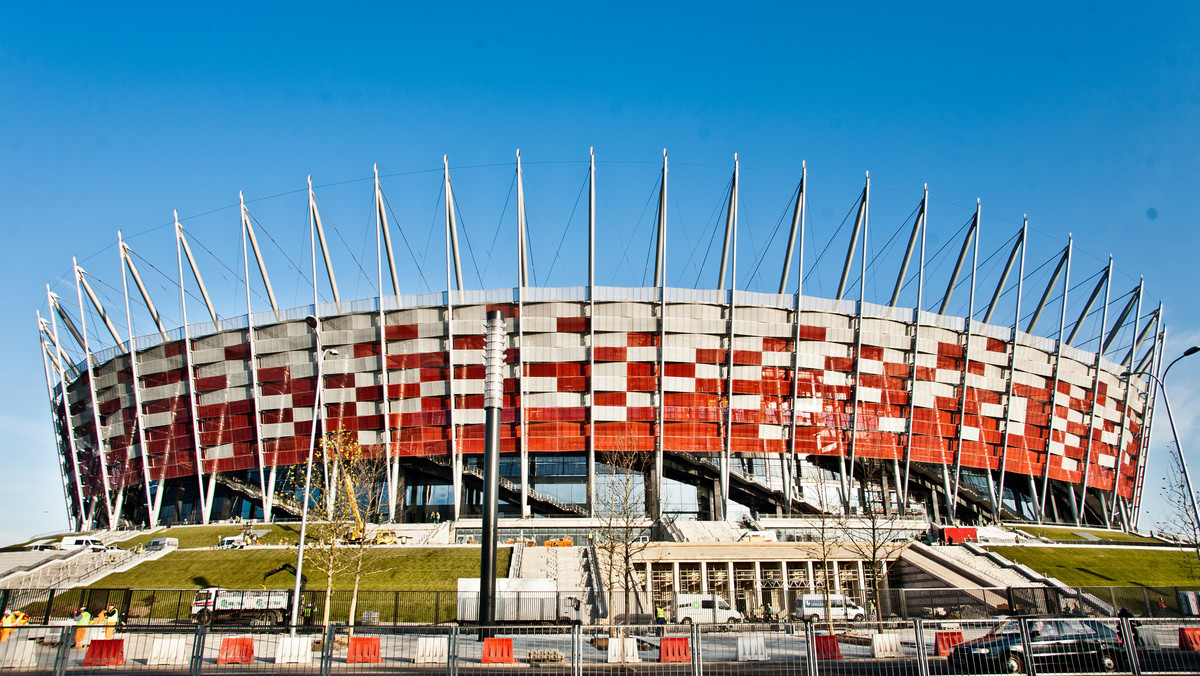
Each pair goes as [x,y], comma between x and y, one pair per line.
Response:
[661,612]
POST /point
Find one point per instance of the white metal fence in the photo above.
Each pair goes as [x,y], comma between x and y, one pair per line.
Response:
[1033,645]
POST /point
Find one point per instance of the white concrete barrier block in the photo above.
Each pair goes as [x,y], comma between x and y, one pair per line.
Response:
[168,650]
[17,654]
[623,651]
[433,649]
[752,648]
[293,650]
[886,645]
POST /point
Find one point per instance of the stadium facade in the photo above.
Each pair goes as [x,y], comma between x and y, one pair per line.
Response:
[778,403]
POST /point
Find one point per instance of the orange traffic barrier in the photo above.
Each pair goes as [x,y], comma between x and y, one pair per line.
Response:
[944,642]
[674,650]
[363,649]
[1189,638]
[497,651]
[105,652]
[236,651]
[828,648]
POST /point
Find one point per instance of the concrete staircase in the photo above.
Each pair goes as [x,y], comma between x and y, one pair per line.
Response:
[568,567]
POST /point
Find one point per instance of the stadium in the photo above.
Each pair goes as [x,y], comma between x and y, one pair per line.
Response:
[742,403]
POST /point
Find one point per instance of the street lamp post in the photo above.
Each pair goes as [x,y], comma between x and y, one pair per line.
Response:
[312,444]
[1187,479]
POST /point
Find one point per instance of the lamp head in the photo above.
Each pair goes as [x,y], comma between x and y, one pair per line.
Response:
[332,351]
[1191,350]
[311,320]
[1126,374]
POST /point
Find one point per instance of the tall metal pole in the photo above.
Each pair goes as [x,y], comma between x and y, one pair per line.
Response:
[312,444]
[493,400]
[194,423]
[1183,468]
[591,408]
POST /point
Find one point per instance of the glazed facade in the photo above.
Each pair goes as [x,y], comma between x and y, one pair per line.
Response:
[986,422]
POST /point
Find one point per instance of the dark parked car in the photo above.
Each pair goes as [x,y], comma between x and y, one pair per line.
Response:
[1062,645]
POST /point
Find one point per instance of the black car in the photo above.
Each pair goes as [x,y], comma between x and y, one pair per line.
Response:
[1062,645]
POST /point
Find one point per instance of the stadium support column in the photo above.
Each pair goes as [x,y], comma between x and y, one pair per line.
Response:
[660,277]
[1062,325]
[72,512]
[62,384]
[1147,424]
[66,419]
[730,234]
[152,505]
[998,496]
[101,456]
[973,240]
[268,484]
[918,228]
[493,393]
[591,294]
[1087,455]
[797,223]
[861,221]
[452,258]
[384,239]
[522,282]
[194,422]
[1137,315]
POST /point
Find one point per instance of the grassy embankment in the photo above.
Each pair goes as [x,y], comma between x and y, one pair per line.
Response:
[1059,533]
[195,537]
[1107,566]
[392,568]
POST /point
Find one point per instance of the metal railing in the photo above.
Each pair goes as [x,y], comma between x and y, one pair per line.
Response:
[1037,646]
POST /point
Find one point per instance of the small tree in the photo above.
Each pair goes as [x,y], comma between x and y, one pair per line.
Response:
[1179,521]
[620,507]
[827,525]
[345,481]
[874,535]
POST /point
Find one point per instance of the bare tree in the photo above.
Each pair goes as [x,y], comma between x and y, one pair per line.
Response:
[874,535]
[1179,522]
[826,530]
[346,480]
[620,505]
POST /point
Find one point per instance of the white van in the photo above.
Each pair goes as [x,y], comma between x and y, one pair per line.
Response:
[159,544]
[233,542]
[704,608]
[812,607]
[77,542]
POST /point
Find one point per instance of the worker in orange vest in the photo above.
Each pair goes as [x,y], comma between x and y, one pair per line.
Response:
[6,625]
[82,619]
[110,619]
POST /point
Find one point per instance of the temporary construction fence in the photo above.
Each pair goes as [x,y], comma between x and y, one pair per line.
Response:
[167,607]
[1043,646]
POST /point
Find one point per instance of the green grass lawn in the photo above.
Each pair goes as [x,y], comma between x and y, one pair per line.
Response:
[408,569]
[194,537]
[1059,533]
[1106,566]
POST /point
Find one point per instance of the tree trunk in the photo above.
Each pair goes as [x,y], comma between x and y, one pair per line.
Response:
[328,596]
[354,594]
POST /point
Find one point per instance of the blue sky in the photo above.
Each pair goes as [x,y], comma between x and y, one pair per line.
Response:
[1080,114]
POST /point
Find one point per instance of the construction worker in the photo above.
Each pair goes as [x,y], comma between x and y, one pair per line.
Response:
[6,625]
[82,619]
[660,618]
[98,622]
[308,611]
[110,619]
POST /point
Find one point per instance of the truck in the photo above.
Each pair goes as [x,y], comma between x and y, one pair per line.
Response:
[521,600]
[271,606]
